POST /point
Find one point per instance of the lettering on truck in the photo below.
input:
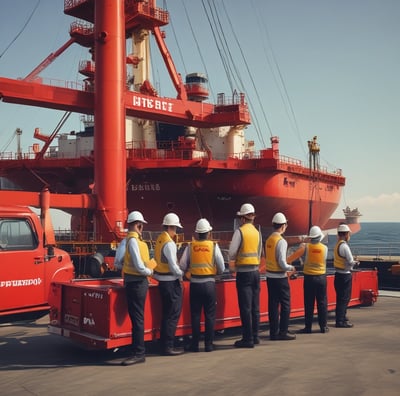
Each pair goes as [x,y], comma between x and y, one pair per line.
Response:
[21,282]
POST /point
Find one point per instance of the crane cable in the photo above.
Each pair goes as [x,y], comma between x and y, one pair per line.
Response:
[198,49]
[260,135]
[7,144]
[175,37]
[23,28]
[220,50]
[232,71]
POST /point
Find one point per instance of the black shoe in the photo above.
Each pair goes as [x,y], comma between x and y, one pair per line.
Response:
[256,340]
[209,348]
[273,337]
[173,352]
[192,348]
[306,330]
[243,344]
[325,329]
[344,325]
[286,337]
[133,360]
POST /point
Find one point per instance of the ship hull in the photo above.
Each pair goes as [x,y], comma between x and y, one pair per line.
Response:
[194,192]
[219,195]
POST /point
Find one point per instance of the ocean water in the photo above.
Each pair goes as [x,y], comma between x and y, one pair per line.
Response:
[374,239]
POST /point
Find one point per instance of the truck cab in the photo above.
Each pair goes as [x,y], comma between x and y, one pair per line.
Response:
[27,265]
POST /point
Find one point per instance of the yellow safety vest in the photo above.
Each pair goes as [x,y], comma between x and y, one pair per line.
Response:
[270,260]
[128,267]
[202,259]
[315,263]
[162,262]
[248,253]
[339,262]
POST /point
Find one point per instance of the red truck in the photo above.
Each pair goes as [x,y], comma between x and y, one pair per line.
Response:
[28,264]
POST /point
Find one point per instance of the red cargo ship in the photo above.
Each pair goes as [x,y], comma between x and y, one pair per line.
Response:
[179,154]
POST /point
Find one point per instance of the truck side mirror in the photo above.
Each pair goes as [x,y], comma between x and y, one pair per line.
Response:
[50,251]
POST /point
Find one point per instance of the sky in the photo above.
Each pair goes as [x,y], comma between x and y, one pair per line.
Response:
[328,68]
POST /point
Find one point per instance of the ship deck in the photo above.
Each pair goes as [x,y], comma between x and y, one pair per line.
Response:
[359,361]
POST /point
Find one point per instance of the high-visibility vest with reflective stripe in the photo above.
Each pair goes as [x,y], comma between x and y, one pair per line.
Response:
[315,263]
[248,253]
[271,263]
[128,267]
[162,262]
[339,262]
[202,259]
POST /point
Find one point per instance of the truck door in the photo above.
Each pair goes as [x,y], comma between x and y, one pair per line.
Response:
[21,265]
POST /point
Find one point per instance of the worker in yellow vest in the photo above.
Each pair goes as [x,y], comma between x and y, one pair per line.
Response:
[277,280]
[344,263]
[245,253]
[132,256]
[203,259]
[315,254]
[169,277]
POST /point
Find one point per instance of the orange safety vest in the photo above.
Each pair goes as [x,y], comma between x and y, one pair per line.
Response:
[162,262]
[315,263]
[128,267]
[248,253]
[339,262]
[270,260]
[202,259]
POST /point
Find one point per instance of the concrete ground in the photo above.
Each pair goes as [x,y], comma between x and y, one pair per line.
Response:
[364,360]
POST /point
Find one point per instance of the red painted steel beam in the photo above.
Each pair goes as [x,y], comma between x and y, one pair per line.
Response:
[173,111]
[46,96]
[56,201]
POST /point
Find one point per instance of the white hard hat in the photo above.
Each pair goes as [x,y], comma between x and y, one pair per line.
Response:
[171,219]
[279,218]
[246,209]
[343,228]
[315,232]
[203,226]
[135,216]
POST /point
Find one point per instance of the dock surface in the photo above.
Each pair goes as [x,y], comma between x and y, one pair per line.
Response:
[364,360]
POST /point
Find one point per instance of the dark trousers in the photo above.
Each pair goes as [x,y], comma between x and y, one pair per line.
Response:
[171,302]
[315,291]
[136,292]
[203,296]
[248,292]
[278,297]
[343,283]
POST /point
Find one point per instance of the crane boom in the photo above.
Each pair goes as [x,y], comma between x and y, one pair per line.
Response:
[46,62]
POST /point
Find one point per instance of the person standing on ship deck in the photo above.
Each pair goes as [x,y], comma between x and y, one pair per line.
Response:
[277,280]
[169,276]
[314,288]
[203,260]
[343,262]
[245,253]
[131,256]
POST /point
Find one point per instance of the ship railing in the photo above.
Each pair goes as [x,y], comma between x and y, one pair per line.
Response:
[154,12]
[76,85]
[236,99]
[84,28]
[379,251]
[7,156]
[296,165]
[374,251]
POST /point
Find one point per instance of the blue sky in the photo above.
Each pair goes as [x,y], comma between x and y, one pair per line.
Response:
[338,62]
